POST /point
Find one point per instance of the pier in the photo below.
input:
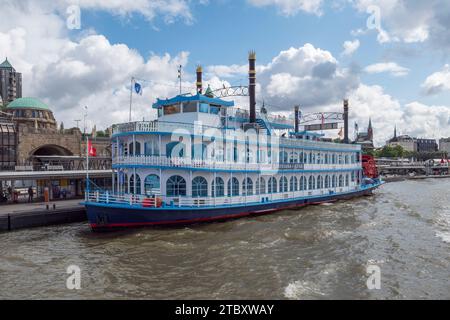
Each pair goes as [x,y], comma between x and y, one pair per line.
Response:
[29,215]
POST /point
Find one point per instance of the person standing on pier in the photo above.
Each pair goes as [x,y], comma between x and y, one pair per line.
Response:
[30,194]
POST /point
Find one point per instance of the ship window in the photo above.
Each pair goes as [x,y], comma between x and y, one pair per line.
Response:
[293,184]
[302,183]
[301,157]
[347,180]
[233,187]
[138,185]
[171,109]
[123,181]
[333,182]
[353,176]
[319,182]
[311,183]
[294,157]
[160,113]
[260,186]
[218,187]
[204,107]
[151,147]
[199,187]
[215,109]
[283,184]
[327,182]
[283,157]
[341,181]
[152,184]
[190,107]
[272,186]
[176,186]
[199,151]
[247,187]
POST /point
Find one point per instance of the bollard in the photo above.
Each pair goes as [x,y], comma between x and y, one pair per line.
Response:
[47,206]
[54,206]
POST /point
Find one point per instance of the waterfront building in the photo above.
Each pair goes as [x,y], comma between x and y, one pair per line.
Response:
[444,145]
[426,145]
[10,82]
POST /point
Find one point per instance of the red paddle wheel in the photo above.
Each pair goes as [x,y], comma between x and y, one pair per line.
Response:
[369,167]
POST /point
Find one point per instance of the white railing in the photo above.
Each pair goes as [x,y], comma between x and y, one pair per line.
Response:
[162,126]
[155,201]
[223,165]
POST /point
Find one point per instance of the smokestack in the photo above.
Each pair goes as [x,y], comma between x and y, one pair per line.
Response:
[346,140]
[199,79]
[252,85]
[296,114]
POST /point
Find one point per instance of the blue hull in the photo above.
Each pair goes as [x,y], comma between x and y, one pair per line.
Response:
[106,216]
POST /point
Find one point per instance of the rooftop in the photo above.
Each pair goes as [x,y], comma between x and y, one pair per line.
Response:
[27,103]
[6,65]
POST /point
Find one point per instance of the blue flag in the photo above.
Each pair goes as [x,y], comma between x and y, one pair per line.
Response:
[138,88]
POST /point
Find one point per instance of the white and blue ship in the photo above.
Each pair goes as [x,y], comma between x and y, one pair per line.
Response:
[203,160]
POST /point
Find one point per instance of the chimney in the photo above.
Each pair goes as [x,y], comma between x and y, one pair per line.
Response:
[296,115]
[199,79]
[346,140]
[252,85]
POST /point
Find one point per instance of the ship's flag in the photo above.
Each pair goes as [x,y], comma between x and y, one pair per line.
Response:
[138,88]
[91,150]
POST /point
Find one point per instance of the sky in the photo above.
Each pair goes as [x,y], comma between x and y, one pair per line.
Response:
[390,58]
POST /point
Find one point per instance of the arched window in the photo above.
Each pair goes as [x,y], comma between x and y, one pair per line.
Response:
[293,184]
[341,180]
[260,186]
[347,180]
[218,187]
[327,182]
[311,183]
[233,187]
[176,186]
[333,185]
[283,184]
[302,183]
[301,157]
[199,187]
[353,176]
[138,185]
[247,187]
[272,186]
[319,182]
[152,184]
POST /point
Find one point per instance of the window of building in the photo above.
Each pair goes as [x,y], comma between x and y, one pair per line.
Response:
[218,187]
[311,183]
[176,186]
[272,186]
[293,184]
[327,182]
[283,184]
[152,184]
[199,187]
[247,187]
[138,184]
[171,109]
[190,107]
[341,180]
[260,186]
[302,183]
[233,187]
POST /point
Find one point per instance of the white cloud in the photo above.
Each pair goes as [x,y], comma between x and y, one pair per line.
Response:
[390,67]
[227,71]
[291,7]
[411,21]
[438,81]
[350,47]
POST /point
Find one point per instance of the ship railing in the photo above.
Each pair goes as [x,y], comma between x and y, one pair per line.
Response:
[156,201]
[224,165]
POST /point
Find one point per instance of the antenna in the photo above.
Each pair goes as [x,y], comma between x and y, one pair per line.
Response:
[180,70]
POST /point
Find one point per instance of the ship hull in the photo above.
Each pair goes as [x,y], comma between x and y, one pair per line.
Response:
[104,217]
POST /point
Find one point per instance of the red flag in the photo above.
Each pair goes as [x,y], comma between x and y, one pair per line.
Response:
[91,149]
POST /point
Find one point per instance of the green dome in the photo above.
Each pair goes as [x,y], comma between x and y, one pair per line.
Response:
[27,103]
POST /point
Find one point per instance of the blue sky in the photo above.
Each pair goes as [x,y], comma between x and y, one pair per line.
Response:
[398,74]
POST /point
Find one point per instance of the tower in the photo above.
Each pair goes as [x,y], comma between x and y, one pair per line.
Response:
[370,130]
[10,82]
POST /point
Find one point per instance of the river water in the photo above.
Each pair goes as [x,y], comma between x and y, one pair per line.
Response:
[318,252]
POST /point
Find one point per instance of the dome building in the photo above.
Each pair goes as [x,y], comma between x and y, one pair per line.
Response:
[32,113]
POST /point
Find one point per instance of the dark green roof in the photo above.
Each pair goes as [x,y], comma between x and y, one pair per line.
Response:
[27,103]
[6,65]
